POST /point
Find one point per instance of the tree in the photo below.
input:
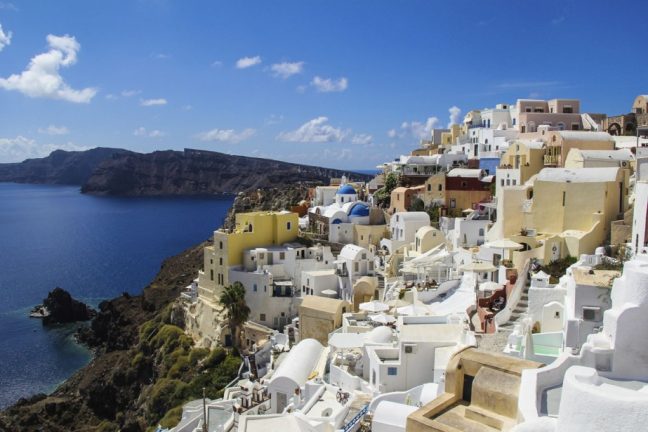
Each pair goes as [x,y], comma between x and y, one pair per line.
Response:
[233,299]
[417,205]
[383,195]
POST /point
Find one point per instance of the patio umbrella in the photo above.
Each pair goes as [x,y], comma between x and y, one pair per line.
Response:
[374,306]
[479,267]
[382,318]
[504,244]
[329,293]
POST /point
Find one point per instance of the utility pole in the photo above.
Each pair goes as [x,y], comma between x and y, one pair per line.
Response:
[204,412]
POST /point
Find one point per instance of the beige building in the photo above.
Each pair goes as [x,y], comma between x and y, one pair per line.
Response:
[559,143]
[433,190]
[563,114]
[319,316]
[522,160]
[563,212]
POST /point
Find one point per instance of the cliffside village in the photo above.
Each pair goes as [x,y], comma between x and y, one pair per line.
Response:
[494,279]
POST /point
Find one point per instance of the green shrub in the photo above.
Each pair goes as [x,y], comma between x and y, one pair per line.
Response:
[197,354]
[216,356]
[172,417]
[166,393]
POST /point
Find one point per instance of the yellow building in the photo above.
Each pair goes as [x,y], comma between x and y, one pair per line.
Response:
[559,143]
[256,229]
[433,190]
[522,160]
[563,212]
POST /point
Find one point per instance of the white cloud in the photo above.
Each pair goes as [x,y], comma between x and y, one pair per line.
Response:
[274,119]
[142,132]
[111,96]
[316,130]
[54,130]
[5,38]
[217,63]
[161,56]
[391,133]
[42,77]
[8,6]
[327,85]
[153,102]
[129,93]
[454,111]
[187,107]
[420,130]
[246,62]
[20,148]
[226,135]
[285,70]
[362,139]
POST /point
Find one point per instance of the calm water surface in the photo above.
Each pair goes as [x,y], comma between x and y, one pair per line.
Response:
[94,247]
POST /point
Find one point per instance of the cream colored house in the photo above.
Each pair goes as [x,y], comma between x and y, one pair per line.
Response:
[319,316]
[522,160]
[559,143]
[561,212]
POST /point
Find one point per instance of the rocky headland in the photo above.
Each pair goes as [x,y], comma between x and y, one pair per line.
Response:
[63,309]
[108,171]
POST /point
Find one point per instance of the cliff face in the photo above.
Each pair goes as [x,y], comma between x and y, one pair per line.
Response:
[114,391]
[60,167]
[195,172]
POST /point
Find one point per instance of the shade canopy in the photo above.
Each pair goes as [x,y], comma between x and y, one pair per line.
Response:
[504,244]
[374,306]
[478,267]
[329,292]
[346,340]
[382,318]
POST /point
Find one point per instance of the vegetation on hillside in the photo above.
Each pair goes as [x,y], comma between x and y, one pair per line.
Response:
[382,197]
[233,299]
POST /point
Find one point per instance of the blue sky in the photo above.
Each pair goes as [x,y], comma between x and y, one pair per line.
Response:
[335,83]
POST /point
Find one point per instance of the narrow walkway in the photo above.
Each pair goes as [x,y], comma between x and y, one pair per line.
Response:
[520,309]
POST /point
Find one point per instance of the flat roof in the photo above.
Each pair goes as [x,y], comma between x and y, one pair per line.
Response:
[431,332]
[599,278]
[578,175]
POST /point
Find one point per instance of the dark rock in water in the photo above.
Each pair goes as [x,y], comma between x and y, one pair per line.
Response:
[64,309]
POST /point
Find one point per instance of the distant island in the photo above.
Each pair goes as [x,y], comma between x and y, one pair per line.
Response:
[113,171]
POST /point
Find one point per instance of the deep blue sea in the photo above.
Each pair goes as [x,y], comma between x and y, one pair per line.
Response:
[94,247]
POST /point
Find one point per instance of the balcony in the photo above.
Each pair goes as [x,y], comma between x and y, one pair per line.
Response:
[551,160]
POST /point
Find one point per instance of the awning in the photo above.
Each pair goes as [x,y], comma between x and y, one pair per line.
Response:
[504,244]
[374,306]
[479,267]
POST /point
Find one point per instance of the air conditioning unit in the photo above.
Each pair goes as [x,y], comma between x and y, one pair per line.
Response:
[532,232]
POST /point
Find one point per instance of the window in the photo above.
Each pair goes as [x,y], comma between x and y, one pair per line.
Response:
[364,256]
[211,274]
[564,197]
[481,232]
[567,109]
[453,203]
[591,313]
[575,126]
[288,226]
[211,261]
[502,182]
[255,288]
[261,256]
[440,187]
[527,109]
[250,227]
[356,266]
[221,260]
[429,188]
[464,184]
[262,317]
[221,245]
[392,371]
[282,255]
[514,181]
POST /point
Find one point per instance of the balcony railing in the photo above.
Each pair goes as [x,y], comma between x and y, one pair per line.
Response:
[551,160]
